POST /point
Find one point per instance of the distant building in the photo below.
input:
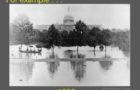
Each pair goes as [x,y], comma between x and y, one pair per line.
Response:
[68,24]
[42,27]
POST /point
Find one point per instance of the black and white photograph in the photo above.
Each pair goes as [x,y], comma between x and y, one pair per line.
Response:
[69,45]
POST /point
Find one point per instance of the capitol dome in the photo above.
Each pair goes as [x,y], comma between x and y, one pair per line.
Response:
[68,20]
[68,17]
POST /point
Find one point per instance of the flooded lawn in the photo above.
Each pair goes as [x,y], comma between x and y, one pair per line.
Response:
[23,72]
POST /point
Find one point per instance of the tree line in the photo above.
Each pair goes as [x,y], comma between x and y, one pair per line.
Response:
[22,32]
[80,36]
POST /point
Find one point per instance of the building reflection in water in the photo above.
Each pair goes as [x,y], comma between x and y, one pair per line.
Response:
[79,68]
[22,71]
[105,65]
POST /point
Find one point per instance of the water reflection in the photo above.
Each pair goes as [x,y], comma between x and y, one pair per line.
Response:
[22,71]
[79,68]
[79,73]
[105,65]
[63,73]
[53,67]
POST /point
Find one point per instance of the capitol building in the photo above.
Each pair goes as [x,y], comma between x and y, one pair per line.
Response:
[68,24]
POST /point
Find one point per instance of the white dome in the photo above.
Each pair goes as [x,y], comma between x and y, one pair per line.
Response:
[68,17]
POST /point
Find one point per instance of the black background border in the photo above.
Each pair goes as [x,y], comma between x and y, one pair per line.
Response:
[134,24]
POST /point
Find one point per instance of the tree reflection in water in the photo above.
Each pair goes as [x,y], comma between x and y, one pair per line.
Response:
[79,68]
[105,65]
[22,70]
[53,67]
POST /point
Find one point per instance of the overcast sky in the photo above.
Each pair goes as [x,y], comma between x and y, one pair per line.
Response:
[107,15]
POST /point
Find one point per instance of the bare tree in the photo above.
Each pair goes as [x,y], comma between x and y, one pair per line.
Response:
[24,29]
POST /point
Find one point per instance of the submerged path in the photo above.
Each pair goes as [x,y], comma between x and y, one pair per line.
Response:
[63,59]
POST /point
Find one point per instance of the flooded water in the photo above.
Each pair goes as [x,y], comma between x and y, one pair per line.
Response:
[26,72]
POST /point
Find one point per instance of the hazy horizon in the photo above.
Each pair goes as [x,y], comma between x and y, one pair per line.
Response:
[107,15]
